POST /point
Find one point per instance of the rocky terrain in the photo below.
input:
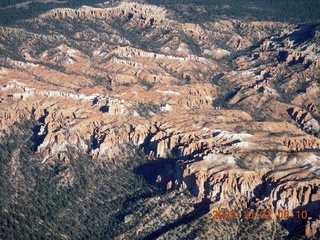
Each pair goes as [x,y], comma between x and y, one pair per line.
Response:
[226,113]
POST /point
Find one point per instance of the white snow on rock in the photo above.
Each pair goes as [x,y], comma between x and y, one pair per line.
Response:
[168,92]
[166,108]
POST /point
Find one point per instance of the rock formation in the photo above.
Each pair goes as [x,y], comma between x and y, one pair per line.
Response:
[242,132]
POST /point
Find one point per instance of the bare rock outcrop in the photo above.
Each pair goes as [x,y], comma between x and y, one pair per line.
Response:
[305,120]
[147,14]
[130,79]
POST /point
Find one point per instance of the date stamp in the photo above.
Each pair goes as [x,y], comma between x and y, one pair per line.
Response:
[259,214]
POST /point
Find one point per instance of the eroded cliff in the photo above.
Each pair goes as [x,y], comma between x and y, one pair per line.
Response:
[240,129]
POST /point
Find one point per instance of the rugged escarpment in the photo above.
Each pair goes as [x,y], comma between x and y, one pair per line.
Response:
[144,13]
[226,110]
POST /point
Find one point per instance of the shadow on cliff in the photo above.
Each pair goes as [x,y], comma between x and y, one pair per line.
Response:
[304,34]
[296,225]
[200,209]
[166,168]
[152,169]
[264,189]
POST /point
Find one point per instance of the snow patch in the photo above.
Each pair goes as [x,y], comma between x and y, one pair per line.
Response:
[242,144]
[135,114]
[166,108]
[168,92]
[3,71]
[230,135]
[219,158]
[71,52]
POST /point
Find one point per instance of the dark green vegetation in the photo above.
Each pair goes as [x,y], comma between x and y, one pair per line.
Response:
[6,3]
[80,199]
[293,11]
[9,16]
[84,199]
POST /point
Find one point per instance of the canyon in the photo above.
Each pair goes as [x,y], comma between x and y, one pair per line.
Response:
[230,107]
